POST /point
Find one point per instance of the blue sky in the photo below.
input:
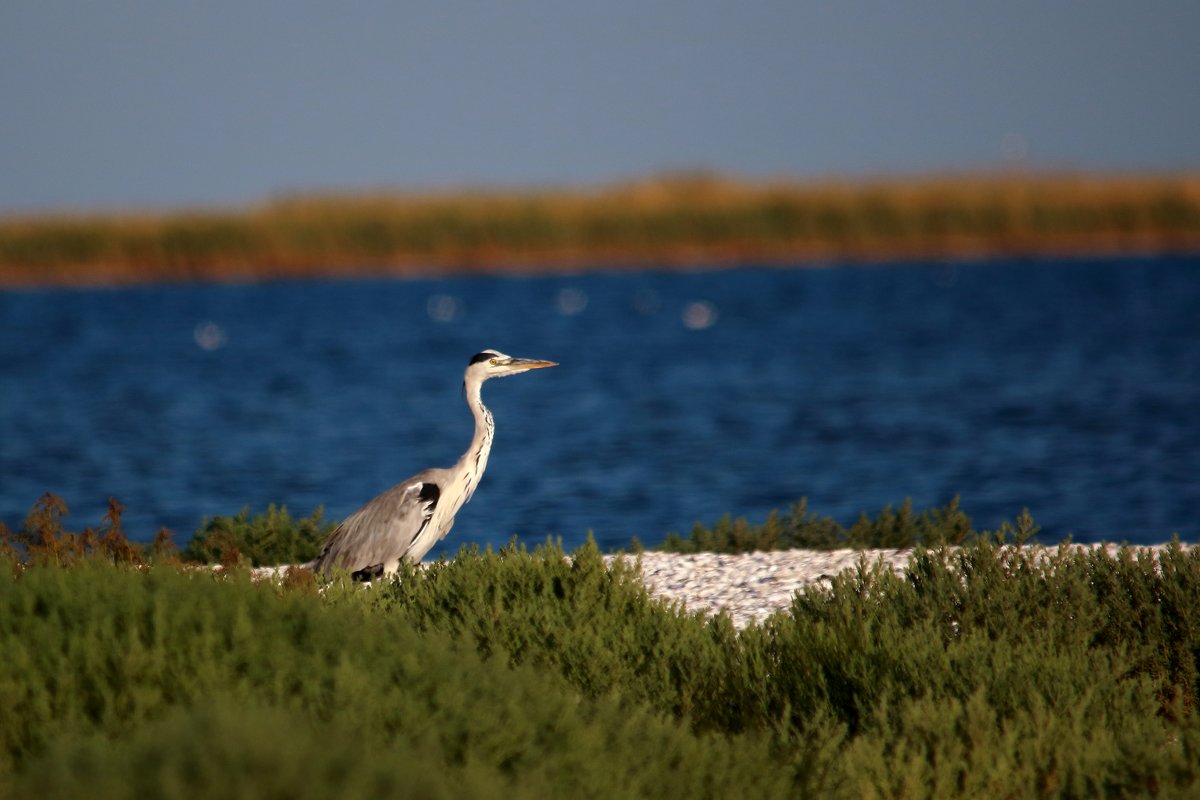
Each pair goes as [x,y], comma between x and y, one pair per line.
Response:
[113,105]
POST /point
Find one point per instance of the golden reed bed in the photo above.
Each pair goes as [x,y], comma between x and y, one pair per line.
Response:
[676,220]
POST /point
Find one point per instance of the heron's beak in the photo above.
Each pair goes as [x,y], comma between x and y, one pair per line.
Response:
[523,364]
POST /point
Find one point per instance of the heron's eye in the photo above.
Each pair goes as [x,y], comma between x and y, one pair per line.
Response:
[495,362]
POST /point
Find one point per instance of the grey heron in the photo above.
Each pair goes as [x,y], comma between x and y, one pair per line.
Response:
[404,522]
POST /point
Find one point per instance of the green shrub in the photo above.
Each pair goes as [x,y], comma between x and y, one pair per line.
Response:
[983,671]
[987,668]
[266,539]
[798,528]
[270,538]
[596,625]
[166,683]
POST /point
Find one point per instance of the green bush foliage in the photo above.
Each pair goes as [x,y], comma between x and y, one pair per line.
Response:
[266,539]
[986,670]
[273,537]
[166,683]
[799,528]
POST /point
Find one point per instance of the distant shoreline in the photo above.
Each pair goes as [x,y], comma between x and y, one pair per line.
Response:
[682,221]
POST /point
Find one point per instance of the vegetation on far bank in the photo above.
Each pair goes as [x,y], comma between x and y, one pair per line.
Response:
[274,536]
[981,672]
[797,527]
[676,219]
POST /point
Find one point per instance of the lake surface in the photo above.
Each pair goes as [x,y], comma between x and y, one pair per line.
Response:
[1070,388]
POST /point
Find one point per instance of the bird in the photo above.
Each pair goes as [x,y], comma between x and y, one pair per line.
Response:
[406,521]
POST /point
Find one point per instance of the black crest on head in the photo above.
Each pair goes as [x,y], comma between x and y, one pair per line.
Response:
[484,356]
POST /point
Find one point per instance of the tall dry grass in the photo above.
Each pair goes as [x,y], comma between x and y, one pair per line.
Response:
[675,219]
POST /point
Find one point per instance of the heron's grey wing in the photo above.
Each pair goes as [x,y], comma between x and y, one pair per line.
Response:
[382,531]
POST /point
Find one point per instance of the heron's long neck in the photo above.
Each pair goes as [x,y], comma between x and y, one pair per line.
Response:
[474,461]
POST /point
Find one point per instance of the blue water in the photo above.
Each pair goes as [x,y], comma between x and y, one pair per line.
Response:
[1069,388]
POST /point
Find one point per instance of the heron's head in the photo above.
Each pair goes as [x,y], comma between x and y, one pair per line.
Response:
[493,364]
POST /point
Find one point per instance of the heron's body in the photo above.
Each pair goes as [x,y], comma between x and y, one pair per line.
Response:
[406,521]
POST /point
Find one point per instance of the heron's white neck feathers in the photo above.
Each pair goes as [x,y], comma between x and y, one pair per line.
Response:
[473,462]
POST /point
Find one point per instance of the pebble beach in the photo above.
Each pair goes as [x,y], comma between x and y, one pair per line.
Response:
[749,586]
[752,586]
